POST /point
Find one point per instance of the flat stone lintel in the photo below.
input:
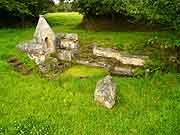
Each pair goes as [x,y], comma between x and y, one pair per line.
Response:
[122,71]
[124,59]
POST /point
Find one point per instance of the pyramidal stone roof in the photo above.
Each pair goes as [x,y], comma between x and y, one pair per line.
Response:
[42,44]
[43,30]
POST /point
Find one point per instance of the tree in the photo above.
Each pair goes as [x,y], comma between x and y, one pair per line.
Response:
[165,12]
[21,9]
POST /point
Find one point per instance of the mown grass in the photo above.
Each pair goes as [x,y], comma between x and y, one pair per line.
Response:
[71,23]
[34,105]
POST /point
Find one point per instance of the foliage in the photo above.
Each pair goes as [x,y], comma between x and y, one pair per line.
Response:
[164,54]
[64,7]
[23,9]
[165,12]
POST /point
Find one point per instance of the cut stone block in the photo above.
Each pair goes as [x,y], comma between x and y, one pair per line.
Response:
[66,55]
[126,71]
[68,40]
[111,53]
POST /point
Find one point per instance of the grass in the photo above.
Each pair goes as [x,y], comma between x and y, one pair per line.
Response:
[71,21]
[35,105]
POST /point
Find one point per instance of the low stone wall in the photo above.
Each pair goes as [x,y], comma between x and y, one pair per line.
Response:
[111,53]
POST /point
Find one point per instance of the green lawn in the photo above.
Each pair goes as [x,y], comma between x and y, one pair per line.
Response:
[65,106]
[70,23]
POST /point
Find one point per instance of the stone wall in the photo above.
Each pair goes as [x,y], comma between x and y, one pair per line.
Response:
[124,59]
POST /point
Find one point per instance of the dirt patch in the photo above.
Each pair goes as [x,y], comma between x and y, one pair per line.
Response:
[18,66]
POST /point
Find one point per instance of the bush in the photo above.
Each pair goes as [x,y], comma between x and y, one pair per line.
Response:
[154,11]
[64,7]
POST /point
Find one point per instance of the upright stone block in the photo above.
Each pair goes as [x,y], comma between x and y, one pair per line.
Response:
[105,92]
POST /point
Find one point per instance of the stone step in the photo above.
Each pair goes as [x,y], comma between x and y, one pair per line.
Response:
[18,66]
[117,70]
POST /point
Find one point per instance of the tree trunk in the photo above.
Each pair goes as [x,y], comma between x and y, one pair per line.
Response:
[178,58]
[22,21]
